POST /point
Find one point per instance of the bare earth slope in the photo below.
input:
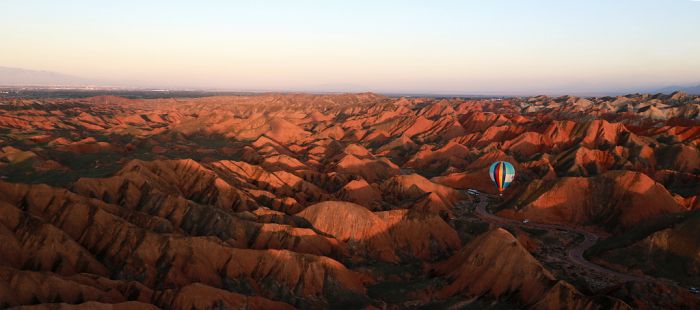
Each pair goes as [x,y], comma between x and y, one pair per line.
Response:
[283,201]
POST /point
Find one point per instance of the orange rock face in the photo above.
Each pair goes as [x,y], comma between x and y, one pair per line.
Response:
[359,201]
[614,199]
[496,263]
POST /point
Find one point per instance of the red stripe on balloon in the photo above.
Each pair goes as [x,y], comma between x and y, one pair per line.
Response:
[504,172]
[499,172]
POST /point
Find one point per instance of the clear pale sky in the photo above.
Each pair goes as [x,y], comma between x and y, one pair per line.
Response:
[505,46]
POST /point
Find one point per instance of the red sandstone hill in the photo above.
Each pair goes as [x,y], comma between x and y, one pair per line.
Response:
[496,264]
[680,240]
[438,198]
[373,170]
[565,296]
[611,200]
[139,190]
[232,201]
[362,193]
[672,251]
[185,178]
[133,252]
[365,233]
[384,235]
[452,154]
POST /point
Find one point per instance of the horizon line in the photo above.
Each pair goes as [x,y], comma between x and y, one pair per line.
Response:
[224,91]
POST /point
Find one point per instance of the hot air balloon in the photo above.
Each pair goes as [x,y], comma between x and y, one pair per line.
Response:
[502,173]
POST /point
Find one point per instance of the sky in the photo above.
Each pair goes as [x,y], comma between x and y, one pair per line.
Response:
[448,47]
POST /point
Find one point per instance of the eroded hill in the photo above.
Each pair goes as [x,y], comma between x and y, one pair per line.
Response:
[320,201]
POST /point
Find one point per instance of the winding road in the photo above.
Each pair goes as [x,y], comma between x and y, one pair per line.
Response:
[575,254]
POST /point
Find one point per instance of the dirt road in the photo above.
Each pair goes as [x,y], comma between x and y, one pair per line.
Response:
[575,254]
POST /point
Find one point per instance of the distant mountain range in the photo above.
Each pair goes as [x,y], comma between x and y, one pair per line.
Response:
[23,77]
[693,90]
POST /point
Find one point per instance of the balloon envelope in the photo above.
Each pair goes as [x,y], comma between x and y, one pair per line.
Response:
[502,174]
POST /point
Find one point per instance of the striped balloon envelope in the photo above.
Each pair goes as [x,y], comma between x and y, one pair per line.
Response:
[502,174]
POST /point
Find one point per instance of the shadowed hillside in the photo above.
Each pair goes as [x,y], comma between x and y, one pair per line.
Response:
[283,201]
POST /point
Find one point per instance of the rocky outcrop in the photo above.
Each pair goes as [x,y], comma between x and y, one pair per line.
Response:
[232,201]
[385,236]
[497,265]
[612,200]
